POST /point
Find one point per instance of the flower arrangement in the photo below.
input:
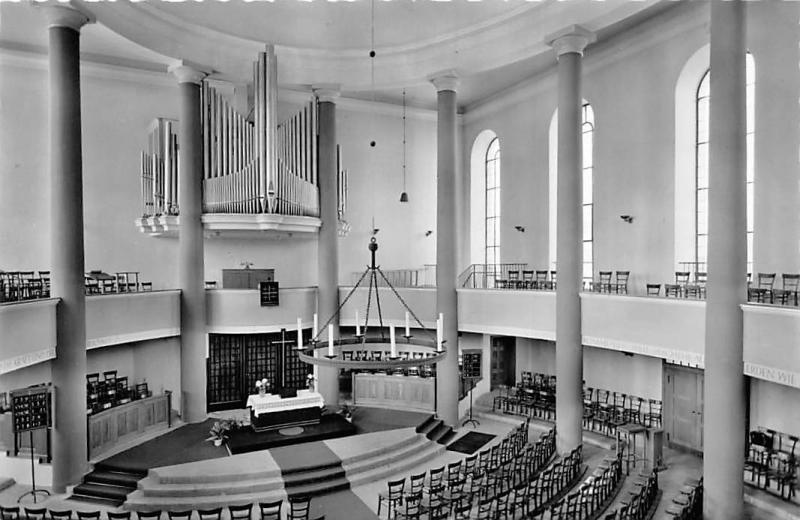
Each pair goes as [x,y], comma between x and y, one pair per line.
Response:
[310,382]
[219,432]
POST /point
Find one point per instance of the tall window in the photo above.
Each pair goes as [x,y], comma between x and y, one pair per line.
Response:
[493,202]
[701,173]
[587,133]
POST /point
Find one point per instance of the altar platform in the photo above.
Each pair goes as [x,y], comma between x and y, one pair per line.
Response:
[244,440]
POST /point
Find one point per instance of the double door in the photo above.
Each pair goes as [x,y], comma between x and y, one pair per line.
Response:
[237,361]
[683,407]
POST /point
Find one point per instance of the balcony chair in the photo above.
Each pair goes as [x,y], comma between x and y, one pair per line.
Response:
[653,289]
[621,284]
[762,292]
[513,280]
[603,283]
[787,295]
[698,288]
[759,453]
[527,280]
[541,280]
[682,280]
[552,284]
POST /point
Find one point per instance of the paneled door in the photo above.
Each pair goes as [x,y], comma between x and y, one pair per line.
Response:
[503,361]
[683,407]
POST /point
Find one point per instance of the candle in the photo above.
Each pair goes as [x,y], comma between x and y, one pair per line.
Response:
[439,328]
[330,340]
[316,326]
[408,330]
[391,340]
[299,333]
[358,327]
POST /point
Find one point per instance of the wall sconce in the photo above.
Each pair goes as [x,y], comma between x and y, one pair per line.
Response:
[520,229]
[428,233]
[627,218]
[375,231]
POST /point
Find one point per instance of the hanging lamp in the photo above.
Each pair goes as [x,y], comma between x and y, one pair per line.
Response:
[404,195]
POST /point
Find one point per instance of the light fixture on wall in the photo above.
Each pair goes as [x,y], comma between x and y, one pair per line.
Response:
[627,218]
[404,195]
[520,229]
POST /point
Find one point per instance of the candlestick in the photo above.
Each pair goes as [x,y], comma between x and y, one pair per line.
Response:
[330,340]
[391,340]
[316,326]
[299,333]
[358,327]
[439,333]
[408,330]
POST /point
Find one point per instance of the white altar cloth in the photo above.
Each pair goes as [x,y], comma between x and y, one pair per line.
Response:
[269,403]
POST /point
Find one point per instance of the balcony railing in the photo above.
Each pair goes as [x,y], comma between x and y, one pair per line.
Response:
[421,277]
[486,276]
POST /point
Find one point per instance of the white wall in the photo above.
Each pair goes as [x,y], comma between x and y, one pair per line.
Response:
[774,406]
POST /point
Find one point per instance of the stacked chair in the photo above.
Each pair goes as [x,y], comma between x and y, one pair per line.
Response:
[594,495]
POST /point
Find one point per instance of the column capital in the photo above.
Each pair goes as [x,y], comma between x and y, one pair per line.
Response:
[188,72]
[573,38]
[66,15]
[445,80]
[326,92]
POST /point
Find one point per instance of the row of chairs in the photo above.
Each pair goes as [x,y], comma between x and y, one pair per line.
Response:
[486,478]
[298,509]
[593,496]
[605,410]
[771,459]
[24,285]
[763,291]
[539,279]
[610,282]
[688,505]
[111,391]
[641,504]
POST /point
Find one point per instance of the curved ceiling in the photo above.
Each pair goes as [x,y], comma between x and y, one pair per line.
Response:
[328,42]
[491,44]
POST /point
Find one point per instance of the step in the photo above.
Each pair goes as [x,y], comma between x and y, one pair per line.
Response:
[96,500]
[313,477]
[422,427]
[431,426]
[319,488]
[102,491]
[113,478]
[440,431]
[381,451]
[430,451]
[138,502]
[112,468]
[151,488]
[314,468]
[448,437]
[404,452]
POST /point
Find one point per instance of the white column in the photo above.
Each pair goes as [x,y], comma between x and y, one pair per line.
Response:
[569,45]
[328,248]
[724,415]
[446,241]
[66,245]
[191,265]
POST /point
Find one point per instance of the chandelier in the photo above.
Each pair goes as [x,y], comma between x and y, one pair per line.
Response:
[425,347]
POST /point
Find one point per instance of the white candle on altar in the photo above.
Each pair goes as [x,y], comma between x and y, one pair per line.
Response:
[358,327]
[391,340]
[439,331]
[299,333]
[408,329]
[316,326]
[330,340]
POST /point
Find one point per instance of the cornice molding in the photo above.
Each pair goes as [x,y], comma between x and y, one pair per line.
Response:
[27,359]
[121,339]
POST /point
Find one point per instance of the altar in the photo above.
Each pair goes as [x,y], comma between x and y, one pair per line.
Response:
[271,412]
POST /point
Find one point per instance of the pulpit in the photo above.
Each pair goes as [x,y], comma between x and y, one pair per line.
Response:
[271,412]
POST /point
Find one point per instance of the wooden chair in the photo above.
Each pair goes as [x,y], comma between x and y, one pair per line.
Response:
[65,514]
[35,513]
[653,289]
[762,292]
[540,281]
[9,513]
[652,418]
[788,293]
[210,514]
[682,280]
[210,284]
[393,496]
[240,512]
[180,515]
[621,283]
[513,280]
[672,289]
[603,283]
[148,515]
[122,515]
[299,507]
[270,510]
[527,280]
[552,283]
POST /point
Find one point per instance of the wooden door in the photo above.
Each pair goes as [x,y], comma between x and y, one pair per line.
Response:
[503,361]
[683,407]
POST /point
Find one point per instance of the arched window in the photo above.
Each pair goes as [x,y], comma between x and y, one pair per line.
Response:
[587,197]
[587,134]
[492,203]
[703,99]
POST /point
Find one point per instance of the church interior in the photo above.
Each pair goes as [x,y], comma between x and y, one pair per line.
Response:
[399,259]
